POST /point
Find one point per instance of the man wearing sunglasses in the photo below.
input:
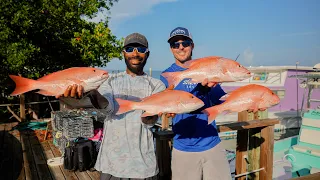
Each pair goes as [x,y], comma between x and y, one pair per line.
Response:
[127,149]
[197,153]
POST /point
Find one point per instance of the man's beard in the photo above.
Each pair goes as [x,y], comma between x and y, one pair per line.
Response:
[136,69]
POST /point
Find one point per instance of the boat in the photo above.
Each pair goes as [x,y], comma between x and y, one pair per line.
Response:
[290,90]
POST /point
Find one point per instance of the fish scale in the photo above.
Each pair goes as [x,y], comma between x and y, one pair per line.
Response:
[56,83]
[214,68]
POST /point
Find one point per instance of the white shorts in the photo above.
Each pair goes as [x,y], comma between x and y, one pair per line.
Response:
[211,164]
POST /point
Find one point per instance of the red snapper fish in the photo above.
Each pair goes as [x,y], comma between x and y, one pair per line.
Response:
[56,83]
[167,101]
[247,97]
[215,68]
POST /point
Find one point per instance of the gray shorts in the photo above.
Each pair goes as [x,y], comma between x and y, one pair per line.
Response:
[207,165]
[105,176]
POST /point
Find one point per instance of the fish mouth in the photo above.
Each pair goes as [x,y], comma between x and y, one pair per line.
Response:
[104,75]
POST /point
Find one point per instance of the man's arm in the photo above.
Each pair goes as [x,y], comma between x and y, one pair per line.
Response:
[98,101]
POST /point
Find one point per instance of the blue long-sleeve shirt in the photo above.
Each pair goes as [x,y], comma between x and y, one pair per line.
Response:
[192,132]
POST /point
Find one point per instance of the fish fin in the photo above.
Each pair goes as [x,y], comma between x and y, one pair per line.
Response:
[124,106]
[45,93]
[22,85]
[172,78]
[227,112]
[255,106]
[145,114]
[212,113]
[224,97]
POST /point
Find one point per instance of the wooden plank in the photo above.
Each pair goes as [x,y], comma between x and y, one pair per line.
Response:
[241,152]
[55,171]
[29,164]
[247,125]
[18,150]
[39,159]
[266,152]
[69,175]
[163,153]
[315,176]
[82,175]
[254,152]
[254,148]
[2,132]
[242,146]
[22,107]
[94,175]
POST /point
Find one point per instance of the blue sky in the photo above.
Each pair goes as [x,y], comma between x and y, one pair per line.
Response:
[264,33]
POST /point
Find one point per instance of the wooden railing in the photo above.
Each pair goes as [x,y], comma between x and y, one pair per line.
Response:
[258,154]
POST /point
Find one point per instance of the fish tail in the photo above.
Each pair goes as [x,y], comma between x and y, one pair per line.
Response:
[173,78]
[22,85]
[124,106]
[212,113]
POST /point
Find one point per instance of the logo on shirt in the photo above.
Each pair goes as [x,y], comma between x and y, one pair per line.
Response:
[189,84]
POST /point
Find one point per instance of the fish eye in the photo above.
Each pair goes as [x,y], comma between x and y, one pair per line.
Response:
[94,70]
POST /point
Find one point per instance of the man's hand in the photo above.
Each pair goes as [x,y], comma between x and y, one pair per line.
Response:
[73,91]
[252,110]
[205,82]
[171,87]
[167,114]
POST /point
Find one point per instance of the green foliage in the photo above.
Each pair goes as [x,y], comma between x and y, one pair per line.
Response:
[42,36]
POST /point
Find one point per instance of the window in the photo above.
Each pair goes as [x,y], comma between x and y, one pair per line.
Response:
[260,76]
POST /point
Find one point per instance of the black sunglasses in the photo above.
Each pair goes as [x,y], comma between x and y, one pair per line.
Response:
[138,49]
[176,45]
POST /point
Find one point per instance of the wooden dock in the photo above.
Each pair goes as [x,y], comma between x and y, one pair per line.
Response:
[24,157]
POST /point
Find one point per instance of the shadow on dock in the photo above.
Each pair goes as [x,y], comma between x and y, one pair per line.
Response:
[11,155]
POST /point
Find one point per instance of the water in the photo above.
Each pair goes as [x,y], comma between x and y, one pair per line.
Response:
[154,74]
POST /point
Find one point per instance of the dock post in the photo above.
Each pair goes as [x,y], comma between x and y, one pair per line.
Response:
[22,107]
[163,153]
[242,145]
[248,154]
[266,154]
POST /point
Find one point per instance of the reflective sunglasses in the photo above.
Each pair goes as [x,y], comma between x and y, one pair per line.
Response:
[138,49]
[176,45]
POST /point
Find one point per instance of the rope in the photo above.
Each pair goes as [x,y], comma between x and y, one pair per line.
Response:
[36,102]
[246,173]
[50,104]
[284,159]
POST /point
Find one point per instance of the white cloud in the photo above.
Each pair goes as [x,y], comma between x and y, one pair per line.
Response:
[125,9]
[248,56]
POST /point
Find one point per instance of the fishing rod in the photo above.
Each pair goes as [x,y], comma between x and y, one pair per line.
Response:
[237,57]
